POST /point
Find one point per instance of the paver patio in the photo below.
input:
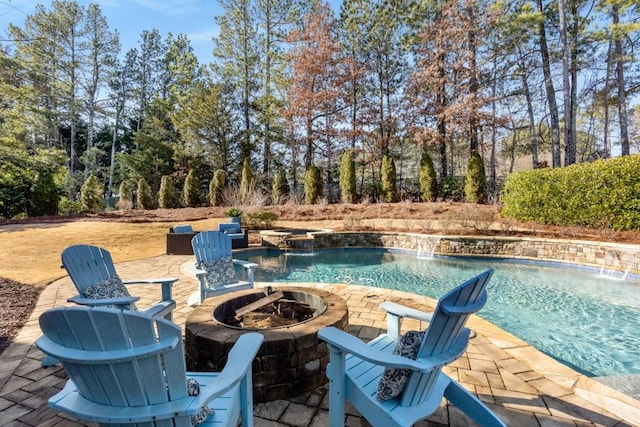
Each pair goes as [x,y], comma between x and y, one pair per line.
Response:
[522,385]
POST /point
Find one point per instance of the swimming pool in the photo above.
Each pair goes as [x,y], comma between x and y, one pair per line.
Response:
[585,320]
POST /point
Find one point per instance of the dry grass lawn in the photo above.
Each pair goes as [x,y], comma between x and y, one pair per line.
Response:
[32,251]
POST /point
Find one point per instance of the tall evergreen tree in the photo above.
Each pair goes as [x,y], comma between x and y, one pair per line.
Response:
[238,61]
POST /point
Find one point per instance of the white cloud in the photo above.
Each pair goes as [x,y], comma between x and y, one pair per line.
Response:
[205,35]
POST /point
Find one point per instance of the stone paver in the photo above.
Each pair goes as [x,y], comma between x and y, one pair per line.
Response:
[523,386]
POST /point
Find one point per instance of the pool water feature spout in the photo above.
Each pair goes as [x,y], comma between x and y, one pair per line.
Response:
[427,247]
[626,261]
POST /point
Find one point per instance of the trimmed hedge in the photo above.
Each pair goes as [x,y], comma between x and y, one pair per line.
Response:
[602,194]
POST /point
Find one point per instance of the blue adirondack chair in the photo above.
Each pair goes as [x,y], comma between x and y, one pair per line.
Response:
[127,368]
[90,266]
[214,267]
[355,368]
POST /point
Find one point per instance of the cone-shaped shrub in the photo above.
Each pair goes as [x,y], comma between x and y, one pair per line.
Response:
[388,178]
[280,190]
[91,194]
[145,199]
[312,185]
[191,195]
[347,178]
[428,180]
[216,188]
[167,197]
[475,185]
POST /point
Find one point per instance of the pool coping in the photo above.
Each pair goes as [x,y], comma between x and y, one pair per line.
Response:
[20,370]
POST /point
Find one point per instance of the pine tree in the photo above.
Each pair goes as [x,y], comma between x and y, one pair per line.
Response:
[167,198]
[280,190]
[475,183]
[216,188]
[312,185]
[145,199]
[91,194]
[428,180]
[348,178]
[388,179]
[191,195]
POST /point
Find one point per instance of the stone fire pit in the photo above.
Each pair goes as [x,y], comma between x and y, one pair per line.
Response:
[291,360]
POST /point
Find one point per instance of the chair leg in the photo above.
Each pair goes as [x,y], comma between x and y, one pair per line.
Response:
[246,401]
[471,406]
[336,375]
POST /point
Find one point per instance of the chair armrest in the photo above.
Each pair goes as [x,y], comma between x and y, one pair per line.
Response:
[348,344]
[395,314]
[96,302]
[166,282]
[404,311]
[246,264]
[170,280]
[196,271]
[249,266]
[239,363]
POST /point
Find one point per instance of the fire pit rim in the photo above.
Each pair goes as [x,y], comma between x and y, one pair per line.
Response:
[318,312]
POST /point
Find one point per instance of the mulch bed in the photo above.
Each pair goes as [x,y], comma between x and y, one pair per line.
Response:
[17,301]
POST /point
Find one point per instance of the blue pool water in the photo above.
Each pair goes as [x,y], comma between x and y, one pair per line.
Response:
[579,317]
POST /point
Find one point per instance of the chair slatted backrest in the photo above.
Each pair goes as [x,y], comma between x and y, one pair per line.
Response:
[446,337]
[87,265]
[182,228]
[117,358]
[210,245]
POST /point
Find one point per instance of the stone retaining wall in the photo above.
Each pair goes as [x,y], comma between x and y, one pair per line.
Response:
[613,257]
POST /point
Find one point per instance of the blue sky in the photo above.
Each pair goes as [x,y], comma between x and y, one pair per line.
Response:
[195,18]
[130,17]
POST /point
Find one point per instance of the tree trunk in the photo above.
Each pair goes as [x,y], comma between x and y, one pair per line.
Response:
[569,143]
[622,101]
[550,91]
[606,141]
[533,134]
[473,85]
[440,119]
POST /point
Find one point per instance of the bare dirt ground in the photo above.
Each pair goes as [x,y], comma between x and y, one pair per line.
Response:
[18,299]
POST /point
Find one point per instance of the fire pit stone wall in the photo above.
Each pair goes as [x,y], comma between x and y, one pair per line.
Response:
[291,360]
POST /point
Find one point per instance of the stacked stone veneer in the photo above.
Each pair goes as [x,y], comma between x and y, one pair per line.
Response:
[610,256]
[291,361]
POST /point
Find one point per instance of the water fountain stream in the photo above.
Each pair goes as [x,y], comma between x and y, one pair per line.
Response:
[427,247]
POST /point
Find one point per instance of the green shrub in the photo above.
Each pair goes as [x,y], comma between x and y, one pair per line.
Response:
[452,188]
[280,187]
[261,220]
[191,195]
[602,194]
[167,197]
[69,207]
[44,197]
[428,179]
[91,194]
[388,179]
[216,188]
[233,212]
[126,195]
[145,199]
[312,185]
[348,178]
[247,183]
[475,186]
